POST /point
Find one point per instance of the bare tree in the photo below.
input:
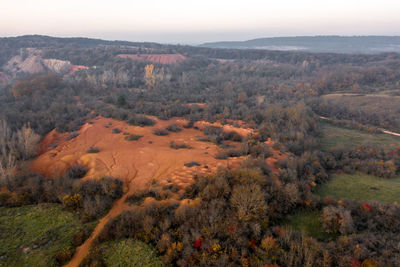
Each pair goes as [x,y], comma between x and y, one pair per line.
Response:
[7,167]
[249,201]
[27,141]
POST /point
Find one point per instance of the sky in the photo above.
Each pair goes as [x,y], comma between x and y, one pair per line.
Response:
[193,22]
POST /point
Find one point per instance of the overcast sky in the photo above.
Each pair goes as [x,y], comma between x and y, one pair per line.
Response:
[189,21]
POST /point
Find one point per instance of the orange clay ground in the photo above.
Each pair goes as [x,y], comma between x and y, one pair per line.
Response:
[137,163]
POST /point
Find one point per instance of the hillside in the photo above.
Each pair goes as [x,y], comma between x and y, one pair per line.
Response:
[193,156]
[318,44]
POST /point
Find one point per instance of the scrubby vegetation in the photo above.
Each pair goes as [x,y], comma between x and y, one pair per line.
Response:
[235,217]
[77,171]
[91,198]
[315,204]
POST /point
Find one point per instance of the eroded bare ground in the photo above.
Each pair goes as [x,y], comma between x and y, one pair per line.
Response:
[138,163]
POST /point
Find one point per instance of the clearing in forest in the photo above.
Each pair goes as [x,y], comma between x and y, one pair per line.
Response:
[137,162]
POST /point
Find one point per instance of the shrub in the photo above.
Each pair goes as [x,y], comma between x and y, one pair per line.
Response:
[76,171]
[337,220]
[116,131]
[160,132]
[175,145]
[63,256]
[232,135]
[93,150]
[191,164]
[231,152]
[173,128]
[140,120]
[72,201]
[133,137]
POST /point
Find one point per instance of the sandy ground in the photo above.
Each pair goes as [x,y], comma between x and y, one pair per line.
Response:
[156,58]
[137,163]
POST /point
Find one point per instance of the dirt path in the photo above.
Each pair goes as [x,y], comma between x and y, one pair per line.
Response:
[83,250]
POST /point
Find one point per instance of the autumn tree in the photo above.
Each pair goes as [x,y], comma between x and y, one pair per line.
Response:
[248,201]
[149,77]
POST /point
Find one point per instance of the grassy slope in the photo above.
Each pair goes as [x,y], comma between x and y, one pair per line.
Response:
[362,187]
[32,235]
[334,136]
[309,223]
[359,187]
[129,252]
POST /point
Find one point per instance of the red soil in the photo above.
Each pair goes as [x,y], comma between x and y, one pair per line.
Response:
[156,58]
[137,163]
[244,132]
[271,161]
[78,67]
[51,140]
[200,105]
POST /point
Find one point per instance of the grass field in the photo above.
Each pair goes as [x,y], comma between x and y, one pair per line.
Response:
[334,136]
[309,223]
[130,253]
[32,235]
[361,187]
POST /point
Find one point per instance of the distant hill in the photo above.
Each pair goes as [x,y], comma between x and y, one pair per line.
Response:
[330,44]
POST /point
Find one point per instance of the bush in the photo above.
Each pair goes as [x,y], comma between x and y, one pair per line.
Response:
[173,128]
[116,131]
[93,150]
[175,145]
[133,137]
[140,120]
[337,220]
[76,171]
[160,132]
[191,164]
[234,136]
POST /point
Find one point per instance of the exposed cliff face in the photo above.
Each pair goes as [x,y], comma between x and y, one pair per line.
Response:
[30,61]
[56,65]
[32,64]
